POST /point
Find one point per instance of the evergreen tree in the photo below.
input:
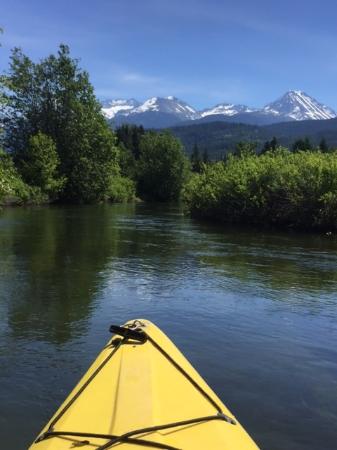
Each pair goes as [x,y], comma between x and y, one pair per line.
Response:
[269,146]
[56,98]
[274,144]
[195,159]
[266,148]
[129,136]
[323,146]
[245,148]
[205,157]
[302,145]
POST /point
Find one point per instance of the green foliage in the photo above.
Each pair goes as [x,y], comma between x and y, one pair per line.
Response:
[162,167]
[323,146]
[221,137]
[128,141]
[244,148]
[205,157]
[56,98]
[196,161]
[39,167]
[129,137]
[270,146]
[127,163]
[13,190]
[303,145]
[278,188]
[121,190]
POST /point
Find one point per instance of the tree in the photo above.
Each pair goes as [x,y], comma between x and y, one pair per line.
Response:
[129,136]
[269,146]
[266,148]
[205,157]
[196,162]
[323,146]
[274,143]
[40,166]
[56,98]
[244,149]
[162,167]
[128,141]
[302,145]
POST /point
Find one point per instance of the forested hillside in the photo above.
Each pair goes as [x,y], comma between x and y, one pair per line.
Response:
[219,138]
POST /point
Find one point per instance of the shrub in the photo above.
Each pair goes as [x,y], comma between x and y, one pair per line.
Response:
[121,190]
[279,188]
[13,190]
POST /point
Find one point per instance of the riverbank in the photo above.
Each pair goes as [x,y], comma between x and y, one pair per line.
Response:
[279,189]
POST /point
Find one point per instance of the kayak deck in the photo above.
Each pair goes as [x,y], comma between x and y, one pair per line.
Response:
[135,385]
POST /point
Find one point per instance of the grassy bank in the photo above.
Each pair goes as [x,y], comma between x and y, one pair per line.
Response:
[277,189]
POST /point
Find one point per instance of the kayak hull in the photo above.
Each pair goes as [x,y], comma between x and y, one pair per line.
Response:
[134,385]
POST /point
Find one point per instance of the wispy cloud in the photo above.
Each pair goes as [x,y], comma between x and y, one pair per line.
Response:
[118,81]
[139,78]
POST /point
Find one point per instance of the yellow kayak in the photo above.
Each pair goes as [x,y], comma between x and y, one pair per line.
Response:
[141,392]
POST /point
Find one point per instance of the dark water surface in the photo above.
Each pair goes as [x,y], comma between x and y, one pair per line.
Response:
[256,313]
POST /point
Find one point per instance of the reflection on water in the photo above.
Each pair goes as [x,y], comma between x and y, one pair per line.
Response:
[255,312]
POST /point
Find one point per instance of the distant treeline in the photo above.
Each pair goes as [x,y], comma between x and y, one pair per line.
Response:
[198,156]
[220,138]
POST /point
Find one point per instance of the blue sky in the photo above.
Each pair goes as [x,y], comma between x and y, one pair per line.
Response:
[203,51]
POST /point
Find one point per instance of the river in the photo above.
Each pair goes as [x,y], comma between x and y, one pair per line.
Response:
[255,312]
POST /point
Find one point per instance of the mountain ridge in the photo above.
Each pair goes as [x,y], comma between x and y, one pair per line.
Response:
[220,137]
[160,112]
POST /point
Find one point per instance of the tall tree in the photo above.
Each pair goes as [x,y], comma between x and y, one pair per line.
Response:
[129,136]
[270,146]
[323,146]
[205,156]
[245,149]
[196,162]
[162,167]
[303,145]
[56,98]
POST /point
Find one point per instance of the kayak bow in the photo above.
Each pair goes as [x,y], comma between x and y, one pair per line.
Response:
[142,392]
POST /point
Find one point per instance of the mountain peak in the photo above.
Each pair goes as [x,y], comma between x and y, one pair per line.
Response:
[157,112]
[297,105]
[112,107]
[226,109]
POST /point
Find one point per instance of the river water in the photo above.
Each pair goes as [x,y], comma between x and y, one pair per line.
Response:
[255,312]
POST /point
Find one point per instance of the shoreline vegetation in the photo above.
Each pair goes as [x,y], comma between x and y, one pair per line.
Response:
[57,147]
[278,189]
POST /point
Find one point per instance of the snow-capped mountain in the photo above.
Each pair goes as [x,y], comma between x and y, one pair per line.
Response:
[160,112]
[156,112]
[226,109]
[298,105]
[168,105]
[112,107]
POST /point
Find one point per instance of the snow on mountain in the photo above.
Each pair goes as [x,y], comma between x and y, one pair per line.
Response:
[297,105]
[168,105]
[226,109]
[112,107]
[157,112]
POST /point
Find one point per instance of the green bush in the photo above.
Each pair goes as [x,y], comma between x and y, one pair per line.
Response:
[13,190]
[121,190]
[279,188]
[40,166]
